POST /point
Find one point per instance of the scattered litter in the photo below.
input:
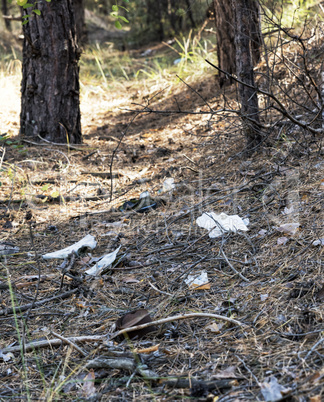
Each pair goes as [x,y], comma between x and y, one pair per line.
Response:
[142,204]
[144,194]
[229,372]
[198,282]
[264,297]
[118,224]
[177,61]
[272,391]
[219,224]
[6,356]
[147,52]
[168,185]
[288,228]
[102,263]
[87,241]
[8,248]
[282,241]
[319,242]
[288,211]
[262,232]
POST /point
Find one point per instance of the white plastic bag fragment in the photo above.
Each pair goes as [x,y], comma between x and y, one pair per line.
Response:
[199,281]
[104,262]
[272,391]
[318,242]
[288,228]
[87,241]
[6,356]
[219,224]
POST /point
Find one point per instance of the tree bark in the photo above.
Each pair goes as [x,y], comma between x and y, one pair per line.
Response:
[225,39]
[225,36]
[50,106]
[243,14]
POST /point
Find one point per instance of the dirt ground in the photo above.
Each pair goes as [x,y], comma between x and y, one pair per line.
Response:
[58,323]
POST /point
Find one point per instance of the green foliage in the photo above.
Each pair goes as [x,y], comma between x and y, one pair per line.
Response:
[24,4]
[119,18]
[4,140]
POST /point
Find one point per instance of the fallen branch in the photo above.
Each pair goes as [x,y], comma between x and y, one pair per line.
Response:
[25,307]
[53,342]
[106,337]
[176,318]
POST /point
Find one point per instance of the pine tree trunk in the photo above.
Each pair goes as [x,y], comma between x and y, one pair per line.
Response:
[243,10]
[225,39]
[225,36]
[50,105]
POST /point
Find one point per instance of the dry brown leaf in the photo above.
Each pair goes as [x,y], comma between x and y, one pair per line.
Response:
[215,328]
[134,318]
[316,398]
[88,388]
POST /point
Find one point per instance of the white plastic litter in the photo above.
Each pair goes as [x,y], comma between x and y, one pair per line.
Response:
[168,184]
[144,194]
[319,242]
[288,228]
[272,391]
[104,262]
[195,281]
[219,224]
[87,241]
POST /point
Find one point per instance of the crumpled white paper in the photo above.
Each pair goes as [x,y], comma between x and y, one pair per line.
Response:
[219,224]
[104,262]
[168,184]
[87,241]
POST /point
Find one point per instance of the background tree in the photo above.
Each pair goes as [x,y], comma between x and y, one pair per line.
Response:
[244,14]
[4,9]
[225,35]
[79,15]
[50,105]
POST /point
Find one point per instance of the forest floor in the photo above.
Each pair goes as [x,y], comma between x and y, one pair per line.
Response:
[58,323]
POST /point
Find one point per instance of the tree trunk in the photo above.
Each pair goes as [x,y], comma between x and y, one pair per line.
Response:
[5,12]
[190,15]
[50,105]
[225,36]
[79,16]
[243,13]
[225,39]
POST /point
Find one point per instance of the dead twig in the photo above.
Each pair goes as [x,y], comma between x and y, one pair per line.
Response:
[176,318]
[25,307]
[232,268]
[70,342]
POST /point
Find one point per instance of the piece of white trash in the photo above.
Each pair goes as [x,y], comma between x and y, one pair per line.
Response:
[288,228]
[219,224]
[198,281]
[168,184]
[87,241]
[104,262]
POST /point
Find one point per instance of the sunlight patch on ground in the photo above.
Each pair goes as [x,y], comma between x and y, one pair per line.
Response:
[9,103]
